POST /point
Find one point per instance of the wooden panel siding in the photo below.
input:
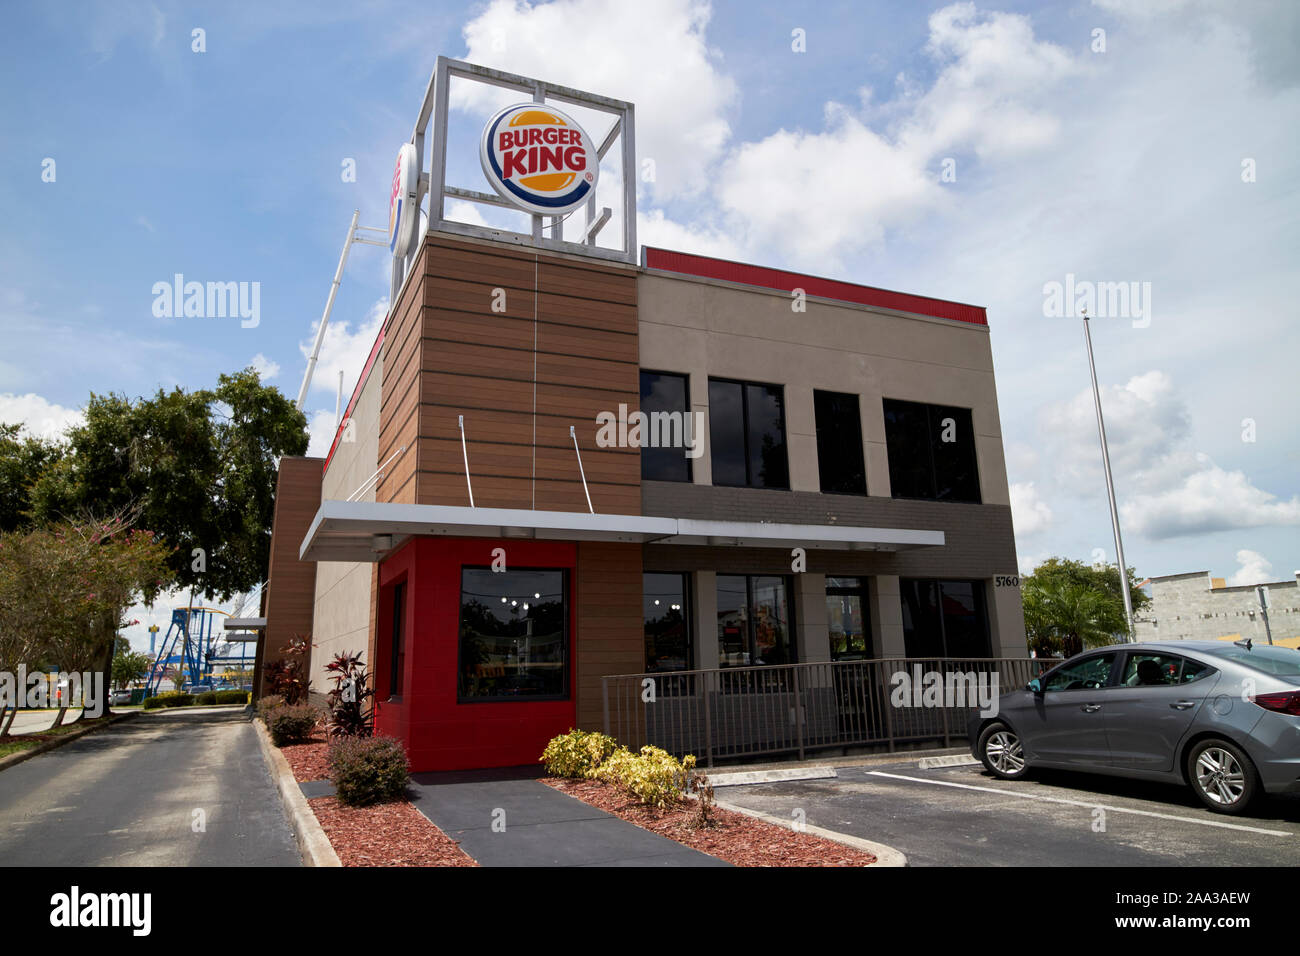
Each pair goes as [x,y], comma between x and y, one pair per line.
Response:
[609,639]
[290,593]
[523,345]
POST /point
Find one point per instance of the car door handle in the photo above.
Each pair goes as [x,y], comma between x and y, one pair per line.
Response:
[1182,704]
[1091,708]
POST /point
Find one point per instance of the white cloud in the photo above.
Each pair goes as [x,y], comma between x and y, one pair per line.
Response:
[321,429]
[1207,501]
[1029,513]
[1255,569]
[39,417]
[345,350]
[266,368]
[653,53]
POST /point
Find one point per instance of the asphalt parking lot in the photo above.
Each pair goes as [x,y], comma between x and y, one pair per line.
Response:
[964,816]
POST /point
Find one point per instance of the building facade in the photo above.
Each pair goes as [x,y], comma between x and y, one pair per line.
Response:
[561,465]
[1198,607]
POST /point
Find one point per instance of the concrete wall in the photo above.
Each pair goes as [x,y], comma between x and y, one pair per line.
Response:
[343,591]
[1184,607]
[706,327]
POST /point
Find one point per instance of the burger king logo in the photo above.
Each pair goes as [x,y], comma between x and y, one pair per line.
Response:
[539,159]
[401,211]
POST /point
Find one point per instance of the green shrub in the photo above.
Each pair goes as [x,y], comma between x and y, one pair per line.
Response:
[171,698]
[653,776]
[233,697]
[579,753]
[267,704]
[291,724]
[367,770]
[207,697]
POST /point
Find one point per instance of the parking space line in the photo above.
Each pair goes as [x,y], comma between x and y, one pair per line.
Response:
[1082,803]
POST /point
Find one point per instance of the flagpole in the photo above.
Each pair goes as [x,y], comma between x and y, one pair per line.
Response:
[1110,486]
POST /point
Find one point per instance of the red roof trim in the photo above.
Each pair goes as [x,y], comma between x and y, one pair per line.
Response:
[356,392]
[709,268]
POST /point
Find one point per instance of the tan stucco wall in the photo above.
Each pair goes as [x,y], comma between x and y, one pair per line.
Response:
[705,327]
[342,611]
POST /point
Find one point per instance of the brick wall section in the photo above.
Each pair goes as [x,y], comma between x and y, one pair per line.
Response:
[609,639]
[979,542]
[290,591]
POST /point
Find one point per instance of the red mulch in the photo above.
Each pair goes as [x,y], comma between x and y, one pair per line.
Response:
[309,761]
[736,838]
[386,834]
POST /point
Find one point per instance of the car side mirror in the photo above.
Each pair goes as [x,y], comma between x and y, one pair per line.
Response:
[1035,685]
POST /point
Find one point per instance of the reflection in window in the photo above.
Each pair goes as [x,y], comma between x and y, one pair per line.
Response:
[1088,674]
[846,619]
[667,621]
[944,618]
[747,435]
[513,634]
[931,452]
[662,392]
[753,620]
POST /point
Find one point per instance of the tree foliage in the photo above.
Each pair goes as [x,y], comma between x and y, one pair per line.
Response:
[200,467]
[22,460]
[1070,605]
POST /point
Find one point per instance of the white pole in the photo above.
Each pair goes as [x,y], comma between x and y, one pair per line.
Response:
[329,305]
[338,403]
[1110,486]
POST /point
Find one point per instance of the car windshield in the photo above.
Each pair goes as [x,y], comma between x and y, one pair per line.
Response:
[1270,659]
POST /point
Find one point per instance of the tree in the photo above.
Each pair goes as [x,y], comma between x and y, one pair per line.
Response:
[129,666]
[1070,605]
[67,587]
[200,467]
[22,460]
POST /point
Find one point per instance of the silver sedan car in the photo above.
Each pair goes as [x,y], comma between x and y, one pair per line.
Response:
[1220,717]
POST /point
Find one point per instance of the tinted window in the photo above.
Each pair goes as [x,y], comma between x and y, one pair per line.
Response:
[753,621]
[1087,674]
[944,618]
[664,393]
[513,634]
[397,650]
[667,621]
[846,619]
[1282,661]
[931,452]
[839,443]
[1154,670]
[747,435]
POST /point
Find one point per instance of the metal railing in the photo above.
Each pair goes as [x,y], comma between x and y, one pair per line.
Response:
[796,708]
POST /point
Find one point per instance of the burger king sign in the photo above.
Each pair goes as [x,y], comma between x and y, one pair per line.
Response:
[539,159]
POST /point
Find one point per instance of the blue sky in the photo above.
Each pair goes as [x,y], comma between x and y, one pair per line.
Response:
[1118,164]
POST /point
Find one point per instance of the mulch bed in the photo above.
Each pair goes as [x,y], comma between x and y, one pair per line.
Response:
[736,838]
[386,834]
[308,761]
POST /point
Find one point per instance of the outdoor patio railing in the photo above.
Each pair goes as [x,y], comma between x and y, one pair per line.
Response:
[796,708]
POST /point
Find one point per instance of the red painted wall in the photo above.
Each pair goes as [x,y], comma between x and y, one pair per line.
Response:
[438,732]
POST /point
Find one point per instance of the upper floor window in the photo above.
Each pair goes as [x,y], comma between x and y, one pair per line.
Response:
[839,443]
[663,393]
[747,434]
[931,452]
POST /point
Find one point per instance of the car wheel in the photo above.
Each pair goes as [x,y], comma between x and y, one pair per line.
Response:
[1222,776]
[1001,752]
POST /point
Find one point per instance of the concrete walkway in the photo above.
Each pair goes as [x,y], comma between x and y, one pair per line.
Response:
[542,826]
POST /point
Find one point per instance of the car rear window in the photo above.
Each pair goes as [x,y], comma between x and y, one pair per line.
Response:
[1270,659]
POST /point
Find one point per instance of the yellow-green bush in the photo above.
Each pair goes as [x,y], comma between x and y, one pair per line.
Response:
[579,753]
[653,776]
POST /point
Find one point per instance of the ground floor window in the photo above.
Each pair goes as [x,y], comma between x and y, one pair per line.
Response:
[754,620]
[514,635]
[944,618]
[397,650]
[847,619]
[666,618]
